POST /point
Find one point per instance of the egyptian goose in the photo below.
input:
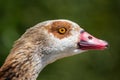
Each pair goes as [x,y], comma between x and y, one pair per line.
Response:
[45,43]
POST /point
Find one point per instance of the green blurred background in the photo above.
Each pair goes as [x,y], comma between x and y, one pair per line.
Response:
[99,17]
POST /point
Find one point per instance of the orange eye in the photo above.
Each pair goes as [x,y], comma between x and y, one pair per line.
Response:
[62,30]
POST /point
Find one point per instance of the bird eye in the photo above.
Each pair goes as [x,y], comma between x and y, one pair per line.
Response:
[62,30]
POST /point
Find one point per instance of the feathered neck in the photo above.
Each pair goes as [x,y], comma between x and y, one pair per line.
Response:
[23,63]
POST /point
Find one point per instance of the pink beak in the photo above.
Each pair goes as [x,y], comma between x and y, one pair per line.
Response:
[88,42]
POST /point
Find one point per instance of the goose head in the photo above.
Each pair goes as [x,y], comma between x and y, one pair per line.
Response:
[45,43]
[63,38]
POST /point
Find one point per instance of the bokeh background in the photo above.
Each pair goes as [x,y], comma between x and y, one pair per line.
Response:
[99,17]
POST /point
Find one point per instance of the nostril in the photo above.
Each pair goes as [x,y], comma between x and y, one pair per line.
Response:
[89,37]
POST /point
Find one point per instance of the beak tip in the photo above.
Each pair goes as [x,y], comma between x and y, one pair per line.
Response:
[107,45]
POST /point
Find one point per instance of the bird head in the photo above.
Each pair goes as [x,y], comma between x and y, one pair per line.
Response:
[45,43]
[63,38]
